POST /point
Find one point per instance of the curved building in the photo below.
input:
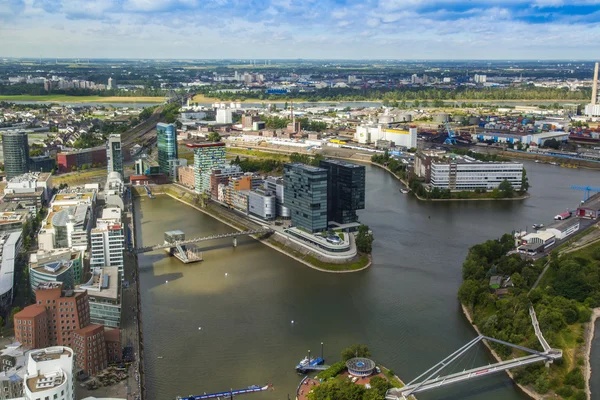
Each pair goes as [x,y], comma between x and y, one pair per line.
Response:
[360,366]
[50,374]
[16,153]
[54,271]
[166,135]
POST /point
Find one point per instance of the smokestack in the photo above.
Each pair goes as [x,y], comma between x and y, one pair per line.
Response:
[294,119]
[595,85]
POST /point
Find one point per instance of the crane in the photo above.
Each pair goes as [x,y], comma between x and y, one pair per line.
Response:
[451,135]
[586,190]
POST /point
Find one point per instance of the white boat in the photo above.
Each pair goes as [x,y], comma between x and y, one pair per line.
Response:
[160,357]
[537,161]
[404,191]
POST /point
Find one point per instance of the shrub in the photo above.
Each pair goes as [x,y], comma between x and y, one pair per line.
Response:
[565,392]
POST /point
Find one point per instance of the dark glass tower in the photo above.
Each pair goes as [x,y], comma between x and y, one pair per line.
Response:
[345,190]
[305,194]
[167,148]
[16,153]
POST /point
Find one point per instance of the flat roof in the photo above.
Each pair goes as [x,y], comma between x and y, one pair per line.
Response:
[53,268]
[8,245]
[103,283]
[199,145]
[305,167]
[74,196]
[343,163]
[563,224]
[593,203]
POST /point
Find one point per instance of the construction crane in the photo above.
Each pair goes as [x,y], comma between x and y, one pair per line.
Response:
[586,190]
[451,135]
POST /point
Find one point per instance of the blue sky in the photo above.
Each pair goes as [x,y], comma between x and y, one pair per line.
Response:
[260,29]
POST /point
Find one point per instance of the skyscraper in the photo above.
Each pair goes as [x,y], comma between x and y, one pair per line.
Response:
[111,84]
[108,241]
[114,154]
[305,194]
[16,153]
[206,156]
[167,148]
[345,190]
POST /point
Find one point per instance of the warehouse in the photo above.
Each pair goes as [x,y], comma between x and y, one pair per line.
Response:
[564,228]
[590,208]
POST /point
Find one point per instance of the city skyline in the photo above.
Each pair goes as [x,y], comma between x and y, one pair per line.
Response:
[331,29]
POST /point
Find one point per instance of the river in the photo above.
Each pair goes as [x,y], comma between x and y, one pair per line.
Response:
[404,307]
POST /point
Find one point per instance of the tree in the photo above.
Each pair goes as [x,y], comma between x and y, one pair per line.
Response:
[506,188]
[213,137]
[468,292]
[356,350]
[524,181]
[364,239]
[13,312]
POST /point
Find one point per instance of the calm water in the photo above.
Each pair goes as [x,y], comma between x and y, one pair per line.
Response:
[404,307]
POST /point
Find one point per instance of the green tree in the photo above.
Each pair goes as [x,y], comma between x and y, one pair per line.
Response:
[468,292]
[13,311]
[364,239]
[356,350]
[524,181]
[506,188]
[213,137]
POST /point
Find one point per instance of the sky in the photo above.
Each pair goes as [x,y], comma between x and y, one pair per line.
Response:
[310,29]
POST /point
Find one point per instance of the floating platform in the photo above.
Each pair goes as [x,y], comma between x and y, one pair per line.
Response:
[229,394]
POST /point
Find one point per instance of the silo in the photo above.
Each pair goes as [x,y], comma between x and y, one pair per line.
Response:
[440,118]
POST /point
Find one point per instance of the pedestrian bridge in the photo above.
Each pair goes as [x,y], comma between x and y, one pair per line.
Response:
[432,379]
[234,235]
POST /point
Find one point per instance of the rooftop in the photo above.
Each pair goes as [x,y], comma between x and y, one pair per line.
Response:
[31,311]
[50,353]
[31,176]
[200,145]
[103,283]
[53,268]
[75,196]
[563,224]
[305,167]
[592,203]
[47,381]
[342,163]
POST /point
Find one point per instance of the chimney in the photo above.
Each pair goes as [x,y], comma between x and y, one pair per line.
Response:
[595,85]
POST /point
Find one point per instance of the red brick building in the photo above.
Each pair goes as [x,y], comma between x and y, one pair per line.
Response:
[91,156]
[113,345]
[62,318]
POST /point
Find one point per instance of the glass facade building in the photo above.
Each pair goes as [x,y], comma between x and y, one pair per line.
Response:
[345,190]
[167,148]
[206,157]
[16,154]
[305,194]
[114,154]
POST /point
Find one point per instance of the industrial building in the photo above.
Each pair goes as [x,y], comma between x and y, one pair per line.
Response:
[114,154]
[345,190]
[376,132]
[537,139]
[590,208]
[305,194]
[593,109]
[10,245]
[206,156]
[167,148]
[104,294]
[564,228]
[71,160]
[466,173]
[15,150]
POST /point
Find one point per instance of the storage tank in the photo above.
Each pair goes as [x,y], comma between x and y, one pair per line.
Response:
[440,118]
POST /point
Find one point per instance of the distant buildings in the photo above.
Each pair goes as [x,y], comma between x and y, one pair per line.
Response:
[222,175]
[206,156]
[305,194]
[108,241]
[15,150]
[50,374]
[480,78]
[111,83]
[114,154]
[224,116]
[167,149]
[345,190]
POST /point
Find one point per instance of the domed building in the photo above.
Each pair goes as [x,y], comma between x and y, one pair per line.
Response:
[360,366]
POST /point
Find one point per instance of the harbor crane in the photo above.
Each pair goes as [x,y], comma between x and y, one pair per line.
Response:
[451,135]
[586,190]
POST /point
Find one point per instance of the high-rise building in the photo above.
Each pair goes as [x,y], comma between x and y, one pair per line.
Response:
[206,156]
[15,149]
[50,374]
[305,194]
[111,83]
[114,154]
[345,190]
[167,148]
[224,116]
[104,294]
[107,241]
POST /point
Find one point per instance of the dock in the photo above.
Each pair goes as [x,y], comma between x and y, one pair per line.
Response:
[227,395]
[185,253]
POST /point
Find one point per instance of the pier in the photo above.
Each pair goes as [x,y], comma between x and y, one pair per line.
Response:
[181,251]
[227,395]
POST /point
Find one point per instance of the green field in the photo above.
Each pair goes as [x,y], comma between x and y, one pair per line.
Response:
[63,98]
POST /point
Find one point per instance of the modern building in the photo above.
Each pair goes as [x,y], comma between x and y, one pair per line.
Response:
[10,245]
[13,360]
[114,154]
[275,184]
[32,201]
[222,175]
[166,135]
[206,156]
[104,294]
[66,226]
[12,221]
[30,183]
[466,173]
[89,342]
[50,374]
[108,241]
[224,116]
[42,164]
[15,150]
[345,190]
[262,204]
[186,176]
[53,271]
[53,318]
[305,194]
[69,161]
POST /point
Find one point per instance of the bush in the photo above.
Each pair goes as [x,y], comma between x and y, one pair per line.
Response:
[575,378]
[565,392]
[333,371]
[542,385]
[580,395]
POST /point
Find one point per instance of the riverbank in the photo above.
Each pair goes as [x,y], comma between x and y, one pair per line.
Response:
[528,391]
[362,263]
[63,98]
[589,339]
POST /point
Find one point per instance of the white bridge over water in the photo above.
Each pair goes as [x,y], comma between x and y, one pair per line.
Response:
[431,379]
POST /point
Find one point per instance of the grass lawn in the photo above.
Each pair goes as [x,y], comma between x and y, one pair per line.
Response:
[259,154]
[63,98]
[81,177]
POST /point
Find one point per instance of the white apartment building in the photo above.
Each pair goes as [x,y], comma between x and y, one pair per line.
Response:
[30,183]
[50,374]
[108,241]
[224,116]
[469,174]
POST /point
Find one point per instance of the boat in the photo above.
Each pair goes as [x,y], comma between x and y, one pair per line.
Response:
[303,363]
[538,226]
[553,163]
[306,364]
[404,191]
[537,161]
[160,357]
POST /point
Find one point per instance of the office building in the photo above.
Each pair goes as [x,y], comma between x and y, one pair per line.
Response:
[465,173]
[53,318]
[42,164]
[69,161]
[305,194]
[275,185]
[31,183]
[12,221]
[10,246]
[15,150]
[345,190]
[186,176]
[166,135]
[107,241]
[206,156]
[50,374]
[57,265]
[224,116]
[114,154]
[222,175]
[262,204]
[104,294]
